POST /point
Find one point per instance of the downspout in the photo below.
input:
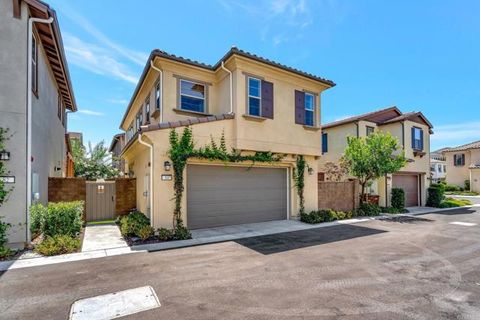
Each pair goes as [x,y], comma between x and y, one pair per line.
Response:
[161,88]
[149,146]
[29,117]
[231,87]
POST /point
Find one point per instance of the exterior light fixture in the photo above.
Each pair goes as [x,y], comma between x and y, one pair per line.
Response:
[4,155]
[310,170]
[167,165]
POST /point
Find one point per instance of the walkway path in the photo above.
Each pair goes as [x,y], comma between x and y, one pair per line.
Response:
[101,237]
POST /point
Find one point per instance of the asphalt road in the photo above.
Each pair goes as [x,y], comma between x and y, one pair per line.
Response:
[422,268]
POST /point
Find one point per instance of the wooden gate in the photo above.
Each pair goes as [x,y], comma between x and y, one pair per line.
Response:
[100,200]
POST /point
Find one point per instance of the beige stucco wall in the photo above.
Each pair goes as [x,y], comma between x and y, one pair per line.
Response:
[337,143]
[458,174]
[475,180]
[137,158]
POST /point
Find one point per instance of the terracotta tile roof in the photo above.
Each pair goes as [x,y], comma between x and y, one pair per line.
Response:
[364,116]
[409,116]
[471,145]
[183,123]
[231,52]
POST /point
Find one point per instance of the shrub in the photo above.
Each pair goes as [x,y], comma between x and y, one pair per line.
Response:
[467,185]
[4,250]
[59,244]
[63,218]
[393,210]
[131,224]
[451,187]
[319,216]
[453,203]
[368,209]
[145,232]
[38,213]
[435,195]
[398,198]
[181,232]
[165,234]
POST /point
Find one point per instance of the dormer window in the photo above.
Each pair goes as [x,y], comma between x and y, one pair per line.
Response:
[192,96]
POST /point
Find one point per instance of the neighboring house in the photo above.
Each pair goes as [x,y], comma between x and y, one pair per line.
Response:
[412,130]
[49,93]
[438,165]
[258,104]
[78,136]
[116,147]
[463,164]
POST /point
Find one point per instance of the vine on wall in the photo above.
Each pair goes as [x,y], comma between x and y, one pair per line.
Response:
[299,179]
[182,148]
[4,251]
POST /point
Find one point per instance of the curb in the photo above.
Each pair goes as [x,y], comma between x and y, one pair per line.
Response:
[42,261]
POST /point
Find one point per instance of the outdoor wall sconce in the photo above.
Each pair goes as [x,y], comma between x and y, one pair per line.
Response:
[310,170]
[58,168]
[167,165]
[4,155]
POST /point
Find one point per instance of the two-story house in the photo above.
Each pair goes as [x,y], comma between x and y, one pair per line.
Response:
[463,164]
[257,104]
[35,92]
[438,165]
[412,130]
[115,149]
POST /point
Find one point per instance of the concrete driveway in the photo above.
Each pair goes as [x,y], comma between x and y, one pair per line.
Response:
[406,268]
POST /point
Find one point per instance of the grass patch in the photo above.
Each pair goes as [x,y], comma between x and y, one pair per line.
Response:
[463,193]
[454,203]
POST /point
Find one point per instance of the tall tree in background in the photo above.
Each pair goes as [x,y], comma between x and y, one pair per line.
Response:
[373,157]
[96,163]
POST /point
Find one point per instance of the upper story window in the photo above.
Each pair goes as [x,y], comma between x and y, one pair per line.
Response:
[439,168]
[370,130]
[432,168]
[34,65]
[309,109]
[324,142]
[147,110]
[137,122]
[192,96]
[459,159]
[417,138]
[157,95]
[444,168]
[254,96]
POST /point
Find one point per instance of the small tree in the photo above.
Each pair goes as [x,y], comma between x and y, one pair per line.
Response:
[372,157]
[96,163]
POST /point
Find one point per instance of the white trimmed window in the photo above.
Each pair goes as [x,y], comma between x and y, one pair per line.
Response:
[309,109]
[254,96]
[192,96]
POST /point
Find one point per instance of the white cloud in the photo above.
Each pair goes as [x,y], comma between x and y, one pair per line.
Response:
[137,57]
[118,101]
[456,133]
[96,59]
[91,112]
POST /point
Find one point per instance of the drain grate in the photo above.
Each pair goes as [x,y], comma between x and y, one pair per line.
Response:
[115,305]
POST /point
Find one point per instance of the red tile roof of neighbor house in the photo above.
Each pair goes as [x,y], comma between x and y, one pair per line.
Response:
[382,116]
[471,145]
[184,123]
[231,52]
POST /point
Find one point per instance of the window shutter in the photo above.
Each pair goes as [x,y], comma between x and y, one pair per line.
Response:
[413,138]
[421,140]
[299,107]
[267,99]
[463,159]
[454,159]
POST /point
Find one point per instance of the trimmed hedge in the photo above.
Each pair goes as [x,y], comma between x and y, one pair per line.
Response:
[131,225]
[59,218]
[368,210]
[454,203]
[435,195]
[59,244]
[398,198]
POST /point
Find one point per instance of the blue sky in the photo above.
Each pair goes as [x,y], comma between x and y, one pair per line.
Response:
[417,55]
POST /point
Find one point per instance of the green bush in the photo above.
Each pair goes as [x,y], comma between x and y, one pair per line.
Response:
[454,203]
[368,209]
[435,195]
[393,210]
[467,185]
[165,234]
[4,250]
[451,187]
[324,215]
[37,218]
[398,198]
[132,224]
[59,244]
[145,232]
[181,232]
[63,218]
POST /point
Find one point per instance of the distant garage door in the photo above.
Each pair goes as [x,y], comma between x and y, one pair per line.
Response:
[221,195]
[409,183]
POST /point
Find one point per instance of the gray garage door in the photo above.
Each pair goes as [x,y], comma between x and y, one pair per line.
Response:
[221,195]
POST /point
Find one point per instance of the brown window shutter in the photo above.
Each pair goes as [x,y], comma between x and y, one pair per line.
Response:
[299,107]
[267,99]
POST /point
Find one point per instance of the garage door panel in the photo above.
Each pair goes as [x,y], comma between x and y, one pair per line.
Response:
[219,196]
[409,184]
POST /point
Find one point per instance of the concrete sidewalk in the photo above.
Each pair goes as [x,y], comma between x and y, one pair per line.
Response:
[213,235]
[101,237]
